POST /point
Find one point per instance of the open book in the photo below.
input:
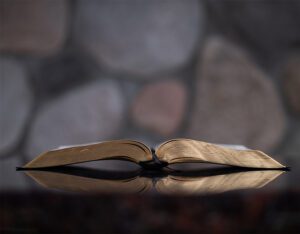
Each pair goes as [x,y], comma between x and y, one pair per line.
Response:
[170,152]
[208,181]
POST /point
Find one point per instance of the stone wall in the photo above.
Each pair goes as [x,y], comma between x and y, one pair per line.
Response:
[76,71]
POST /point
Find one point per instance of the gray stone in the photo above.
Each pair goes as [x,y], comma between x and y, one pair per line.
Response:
[290,150]
[289,154]
[269,27]
[236,103]
[160,107]
[291,83]
[15,102]
[91,113]
[139,37]
[57,74]
[33,26]
[10,179]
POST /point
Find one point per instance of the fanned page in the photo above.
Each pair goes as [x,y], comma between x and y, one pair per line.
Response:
[118,149]
[217,183]
[185,150]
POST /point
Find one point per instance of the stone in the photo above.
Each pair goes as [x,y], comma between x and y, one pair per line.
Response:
[139,37]
[289,151]
[90,113]
[35,27]
[60,73]
[269,27]
[10,179]
[288,154]
[160,107]
[15,103]
[236,102]
[291,83]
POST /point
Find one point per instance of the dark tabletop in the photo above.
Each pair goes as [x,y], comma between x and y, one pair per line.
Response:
[198,200]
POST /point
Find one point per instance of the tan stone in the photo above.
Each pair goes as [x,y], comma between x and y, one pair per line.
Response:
[160,107]
[236,103]
[33,26]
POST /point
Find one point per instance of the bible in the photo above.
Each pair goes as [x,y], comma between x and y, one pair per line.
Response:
[168,153]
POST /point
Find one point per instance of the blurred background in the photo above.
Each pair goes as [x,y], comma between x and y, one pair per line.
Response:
[78,71]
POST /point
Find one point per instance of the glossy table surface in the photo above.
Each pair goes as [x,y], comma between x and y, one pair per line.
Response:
[187,198]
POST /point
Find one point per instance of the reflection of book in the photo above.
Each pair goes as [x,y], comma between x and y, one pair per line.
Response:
[172,182]
[170,152]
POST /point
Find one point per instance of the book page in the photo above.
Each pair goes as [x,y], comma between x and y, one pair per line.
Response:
[119,149]
[185,150]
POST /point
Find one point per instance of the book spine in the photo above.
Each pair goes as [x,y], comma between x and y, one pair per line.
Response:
[154,164]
